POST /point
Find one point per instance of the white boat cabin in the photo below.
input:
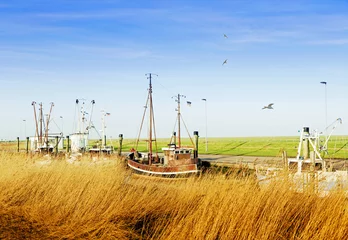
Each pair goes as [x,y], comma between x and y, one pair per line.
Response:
[174,156]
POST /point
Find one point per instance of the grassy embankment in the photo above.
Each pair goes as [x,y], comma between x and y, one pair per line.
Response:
[242,146]
[90,200]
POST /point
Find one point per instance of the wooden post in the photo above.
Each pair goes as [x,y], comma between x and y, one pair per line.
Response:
[100,146]
[56,145]
[120,146]
[285,160]
[17,144]
[68,144]
[27,144]
[195,153]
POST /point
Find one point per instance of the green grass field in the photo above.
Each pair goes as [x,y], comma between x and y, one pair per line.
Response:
[252,146]
[238,146]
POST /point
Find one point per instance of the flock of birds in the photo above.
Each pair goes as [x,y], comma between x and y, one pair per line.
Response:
[269,106]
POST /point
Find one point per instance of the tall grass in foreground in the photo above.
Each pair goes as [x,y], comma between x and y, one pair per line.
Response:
[103,200]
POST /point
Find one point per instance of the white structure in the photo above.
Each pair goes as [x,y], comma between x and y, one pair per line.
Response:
[79,142]
[52,142]
[79,139]
[309,149]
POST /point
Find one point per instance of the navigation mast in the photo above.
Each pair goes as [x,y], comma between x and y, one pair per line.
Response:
[177,99]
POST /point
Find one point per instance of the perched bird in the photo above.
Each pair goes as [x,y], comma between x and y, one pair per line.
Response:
[269,106]
[224,62]
[225,36]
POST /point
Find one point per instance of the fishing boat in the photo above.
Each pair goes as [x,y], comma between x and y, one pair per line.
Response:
[44,141]
[177,160]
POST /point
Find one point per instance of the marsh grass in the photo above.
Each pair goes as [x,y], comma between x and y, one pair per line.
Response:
[102,199]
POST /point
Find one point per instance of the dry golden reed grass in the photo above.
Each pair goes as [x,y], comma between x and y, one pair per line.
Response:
[101,199]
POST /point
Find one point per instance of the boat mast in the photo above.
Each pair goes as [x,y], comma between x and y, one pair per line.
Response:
[37,128]
[151,119]
[48,121]
[41,123]
[179,117]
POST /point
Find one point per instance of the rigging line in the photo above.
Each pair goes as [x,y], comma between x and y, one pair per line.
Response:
[92,126]
[52,120]
[176,120]
[142,122]
[154,130]
[74,122]
[187,130]
[164,87]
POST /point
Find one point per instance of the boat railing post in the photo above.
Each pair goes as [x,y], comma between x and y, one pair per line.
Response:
[120,147]
[195,155]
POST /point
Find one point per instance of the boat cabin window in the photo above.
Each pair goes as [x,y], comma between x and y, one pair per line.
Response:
[187,151]
[176,151]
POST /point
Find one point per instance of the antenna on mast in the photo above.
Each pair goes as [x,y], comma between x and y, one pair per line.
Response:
[177,99]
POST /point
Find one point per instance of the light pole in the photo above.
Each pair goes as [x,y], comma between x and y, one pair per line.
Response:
[25,128]
[206,125]
[61,117]
[325,83]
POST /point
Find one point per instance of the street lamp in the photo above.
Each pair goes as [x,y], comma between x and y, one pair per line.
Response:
[325,83]
[61,117]
[25,128]
[206,125]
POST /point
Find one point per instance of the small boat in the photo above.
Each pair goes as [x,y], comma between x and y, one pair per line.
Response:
[177,160]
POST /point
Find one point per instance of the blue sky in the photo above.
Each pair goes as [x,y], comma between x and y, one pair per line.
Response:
[277,51]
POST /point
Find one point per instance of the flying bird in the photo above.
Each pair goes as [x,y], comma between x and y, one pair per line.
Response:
[224,62]
[225,36]
[269,106]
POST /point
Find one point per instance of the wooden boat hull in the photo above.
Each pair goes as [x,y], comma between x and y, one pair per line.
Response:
[163,170]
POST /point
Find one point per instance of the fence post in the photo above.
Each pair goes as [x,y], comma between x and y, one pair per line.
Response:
[27,144]
[120,146]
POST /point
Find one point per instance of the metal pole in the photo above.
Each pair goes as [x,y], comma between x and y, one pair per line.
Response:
[206,125]
[17,144]
[61,117]
[25,127]
[325,83]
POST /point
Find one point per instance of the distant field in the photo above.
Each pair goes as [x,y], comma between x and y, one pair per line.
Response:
[238,146]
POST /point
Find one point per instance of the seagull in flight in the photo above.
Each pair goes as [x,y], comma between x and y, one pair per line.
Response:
[224,62]
[269,106]
[225,36]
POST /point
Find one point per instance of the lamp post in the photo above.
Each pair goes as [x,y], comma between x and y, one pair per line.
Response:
[61,117]
[206,125]
[25,128]
[325,83]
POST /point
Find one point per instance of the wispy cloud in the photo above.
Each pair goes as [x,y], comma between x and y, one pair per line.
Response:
[329,42]
[109,51]
[103,14]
